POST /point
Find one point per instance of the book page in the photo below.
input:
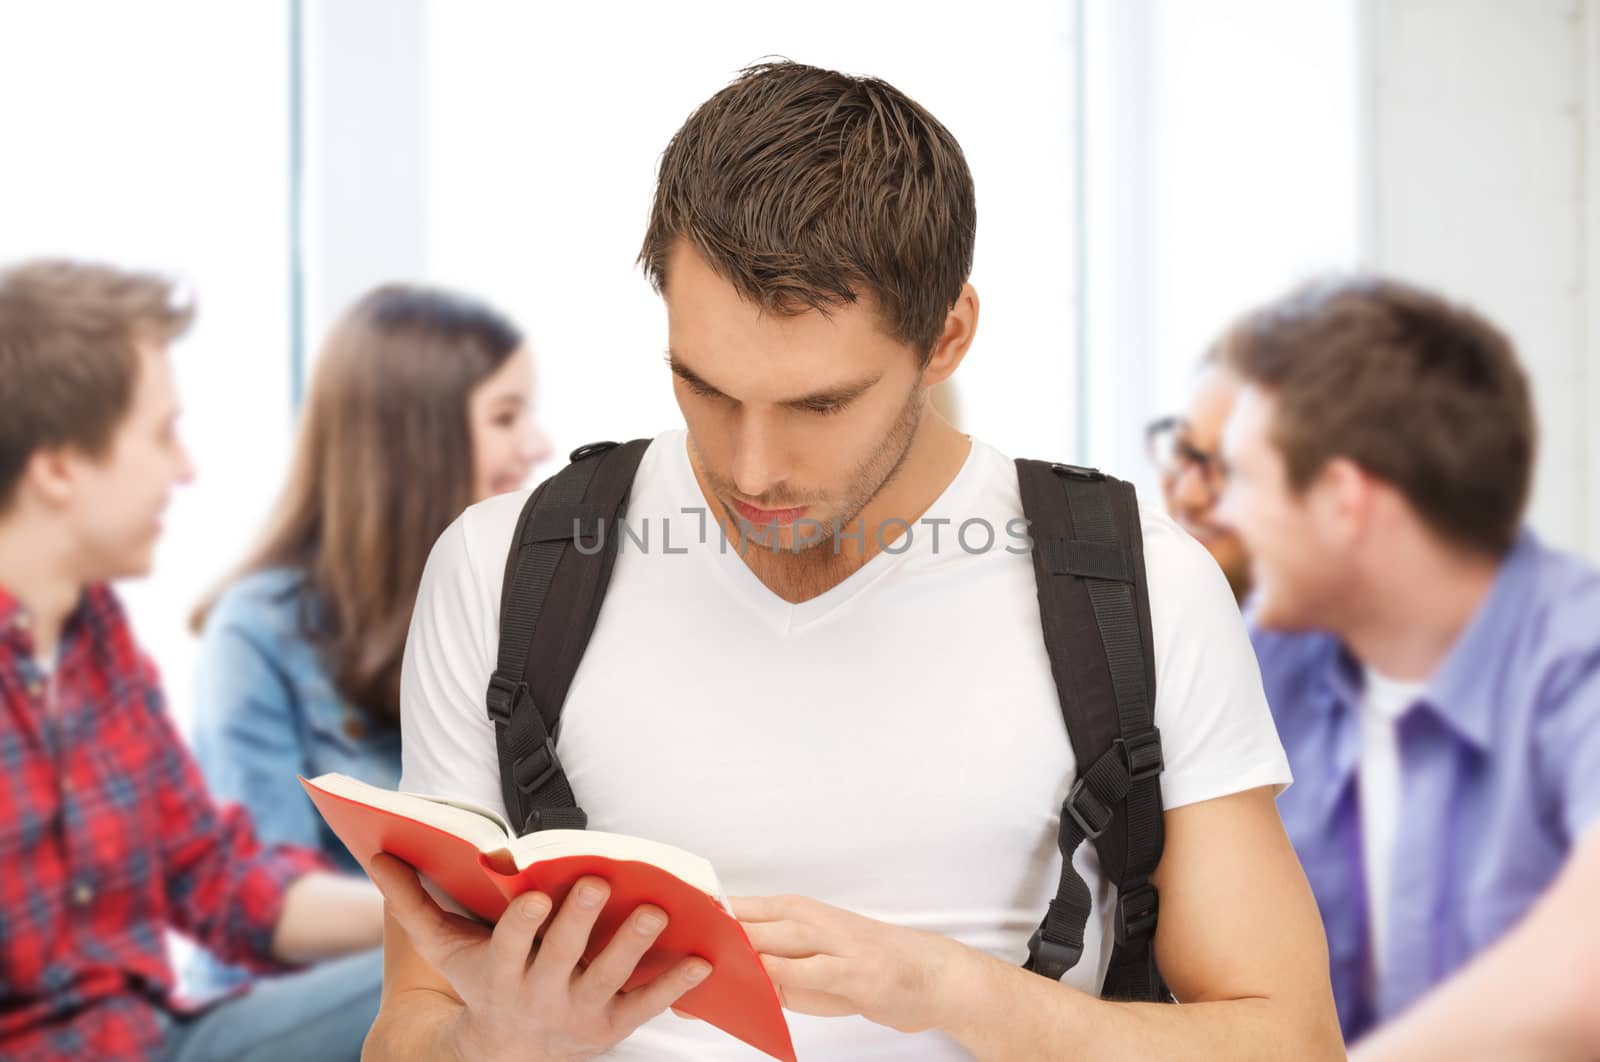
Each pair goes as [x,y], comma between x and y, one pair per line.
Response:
[467,805]
[554,844]
[487,832]
[474,824]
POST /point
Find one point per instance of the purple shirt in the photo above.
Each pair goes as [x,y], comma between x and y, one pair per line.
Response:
[1499,776]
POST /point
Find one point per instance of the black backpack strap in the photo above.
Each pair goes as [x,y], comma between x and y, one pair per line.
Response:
[557,570]
[1088,557]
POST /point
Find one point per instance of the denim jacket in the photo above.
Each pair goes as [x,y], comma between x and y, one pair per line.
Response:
[265,710]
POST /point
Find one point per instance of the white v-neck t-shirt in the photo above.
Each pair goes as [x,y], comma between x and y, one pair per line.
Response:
[893,746]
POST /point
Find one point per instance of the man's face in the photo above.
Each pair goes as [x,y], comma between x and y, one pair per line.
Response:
[796,422]
[1296,561]
[118,497]
[1192,481]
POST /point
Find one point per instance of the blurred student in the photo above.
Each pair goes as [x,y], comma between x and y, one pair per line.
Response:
[107,835]
[421,404]
[1434,670]
[1184,449]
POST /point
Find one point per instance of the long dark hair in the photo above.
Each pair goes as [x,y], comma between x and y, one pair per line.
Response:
[382,465]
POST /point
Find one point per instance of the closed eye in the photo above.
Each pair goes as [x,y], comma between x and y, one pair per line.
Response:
[824,408]
[698,388]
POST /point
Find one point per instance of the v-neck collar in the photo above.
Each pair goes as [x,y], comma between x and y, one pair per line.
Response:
[783,616]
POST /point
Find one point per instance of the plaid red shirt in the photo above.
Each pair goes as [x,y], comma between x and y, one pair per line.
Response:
[107,839]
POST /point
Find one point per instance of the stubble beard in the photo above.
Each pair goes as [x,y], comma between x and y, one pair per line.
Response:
[800,567]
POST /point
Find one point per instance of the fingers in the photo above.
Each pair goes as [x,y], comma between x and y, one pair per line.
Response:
[512,941]
[789,939]
[817,1004]
[767,908]
[434,932]
[568,935]
[809,985]
[645,1002]
[610,969]
[818,973]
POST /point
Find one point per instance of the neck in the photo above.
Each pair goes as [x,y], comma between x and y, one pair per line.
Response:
[935,456]
[1412,613]
[36,571]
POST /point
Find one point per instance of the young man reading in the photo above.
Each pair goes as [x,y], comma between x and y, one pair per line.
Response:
[860,716]
[107,836]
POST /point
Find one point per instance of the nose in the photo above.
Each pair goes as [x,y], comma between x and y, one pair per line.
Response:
[756,464]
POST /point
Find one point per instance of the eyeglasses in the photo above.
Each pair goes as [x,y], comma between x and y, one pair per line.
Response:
[1166,441]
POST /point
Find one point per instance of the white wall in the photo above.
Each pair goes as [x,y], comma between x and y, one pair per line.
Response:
[1484,181]
[1222,144]
[364,140]
[1590,475]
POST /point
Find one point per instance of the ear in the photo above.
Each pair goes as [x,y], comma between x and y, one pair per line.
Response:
[960,326]
[51,475]
[1341,499]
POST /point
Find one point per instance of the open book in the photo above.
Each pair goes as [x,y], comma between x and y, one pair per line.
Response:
[471,854]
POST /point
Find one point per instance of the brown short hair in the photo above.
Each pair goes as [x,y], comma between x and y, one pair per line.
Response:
[69,338]
[802,187]
[1421,392]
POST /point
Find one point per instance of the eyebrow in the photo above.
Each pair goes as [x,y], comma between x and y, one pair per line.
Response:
[830,396]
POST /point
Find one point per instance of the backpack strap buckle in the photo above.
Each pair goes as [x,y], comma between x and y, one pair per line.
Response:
[503,696]
[1137,911]
[1142,753]
[1052,958]
[533,770]
[1083,808]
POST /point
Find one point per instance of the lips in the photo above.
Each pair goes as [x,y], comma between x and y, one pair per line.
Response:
[765,517]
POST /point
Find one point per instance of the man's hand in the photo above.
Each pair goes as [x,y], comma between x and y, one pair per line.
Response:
[1239,942]
[537,1001]
[830,962]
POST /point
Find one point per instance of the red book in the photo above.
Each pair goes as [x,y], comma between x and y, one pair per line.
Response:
[469,853]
